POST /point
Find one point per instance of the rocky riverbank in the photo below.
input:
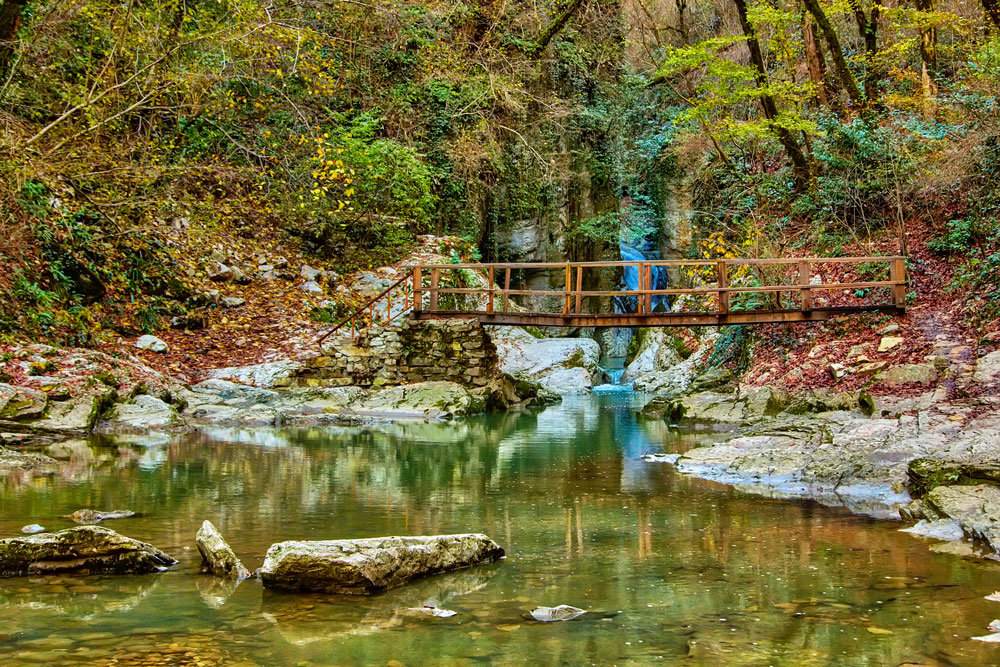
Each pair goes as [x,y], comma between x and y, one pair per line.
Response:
[874,455]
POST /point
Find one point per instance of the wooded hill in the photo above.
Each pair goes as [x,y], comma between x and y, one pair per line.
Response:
[138,137]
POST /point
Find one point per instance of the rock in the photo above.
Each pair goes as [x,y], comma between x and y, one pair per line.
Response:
[311,286]
[368,566]
[563,365]
[94,516]
[432,400]
[661,458]
[976,508]
[837,371]
[14,460]
[151,343]
[219,272]
[987,369]
[993,638]
[661,407]
[716,379]
[217,556]
[89,549]
[309,273]
[143,413]
[239,277]
[563,612]
[656,353]
[941,529]
[188,322]
[890,330]
[232,301]
[889,342]
[266,375]
[22,403]
[32,529]
[437,612]
[908,374]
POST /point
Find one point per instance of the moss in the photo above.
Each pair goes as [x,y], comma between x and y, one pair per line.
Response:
[576,360]
[925,474]
[100,407]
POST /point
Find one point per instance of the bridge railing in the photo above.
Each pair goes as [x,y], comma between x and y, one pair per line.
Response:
[489,297]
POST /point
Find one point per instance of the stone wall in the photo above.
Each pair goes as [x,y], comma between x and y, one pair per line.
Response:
[455,350]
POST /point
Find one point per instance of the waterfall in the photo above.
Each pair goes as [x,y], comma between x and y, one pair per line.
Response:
[615,375]
[658,277]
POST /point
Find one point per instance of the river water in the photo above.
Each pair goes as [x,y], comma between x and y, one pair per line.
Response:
[671,568]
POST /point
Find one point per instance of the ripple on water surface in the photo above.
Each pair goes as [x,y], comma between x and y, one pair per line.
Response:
[670,568]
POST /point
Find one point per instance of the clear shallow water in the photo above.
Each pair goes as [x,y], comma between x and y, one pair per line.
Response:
[674,569]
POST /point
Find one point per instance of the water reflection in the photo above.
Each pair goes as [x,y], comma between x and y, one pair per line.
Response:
[673,568]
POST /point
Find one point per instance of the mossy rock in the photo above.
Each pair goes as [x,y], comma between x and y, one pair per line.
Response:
[925,474]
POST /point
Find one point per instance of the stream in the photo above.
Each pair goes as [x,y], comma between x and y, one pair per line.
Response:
[670,568]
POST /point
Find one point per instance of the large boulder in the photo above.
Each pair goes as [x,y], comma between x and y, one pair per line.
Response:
[975,508]
[87,549]
[216,554]
[267,375]
[656,353]
[142,413]
[562,365]
[367,566]
[431,400]
[21,403]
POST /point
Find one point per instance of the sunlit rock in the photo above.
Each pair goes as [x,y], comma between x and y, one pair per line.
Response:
[217,556]
[367,566]
[89,549]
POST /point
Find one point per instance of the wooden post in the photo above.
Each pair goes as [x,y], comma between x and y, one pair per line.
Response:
[489,299]
[435,276]
[579,288]
[418,295]
[722,281]
[569,287]
[897,274]
[642,286]
[506,290]
[649,285]
[804,276]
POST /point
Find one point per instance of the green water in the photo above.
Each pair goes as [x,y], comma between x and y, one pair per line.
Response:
[673,568]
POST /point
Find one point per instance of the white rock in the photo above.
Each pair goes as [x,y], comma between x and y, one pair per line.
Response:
[152,343]
[311,286]
[266,375]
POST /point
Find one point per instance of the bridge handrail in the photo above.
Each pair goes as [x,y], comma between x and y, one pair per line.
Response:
[573,292]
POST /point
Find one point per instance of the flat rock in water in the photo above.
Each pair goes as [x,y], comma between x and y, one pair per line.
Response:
[367,566]
[436,612]
[94,516]
[563,612]
[85,549]
[217,556]
[33,529]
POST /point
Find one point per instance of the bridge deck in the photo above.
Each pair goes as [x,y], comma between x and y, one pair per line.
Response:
[472,291]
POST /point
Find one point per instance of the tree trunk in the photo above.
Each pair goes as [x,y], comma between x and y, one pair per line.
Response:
[928,51]
[992,8]
[553,28]
[836,52]
[814,60]
[868,29]
[803,170]
[10,23]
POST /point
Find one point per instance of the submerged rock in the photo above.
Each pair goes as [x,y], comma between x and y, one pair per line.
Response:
[217,556]
[90,549]
[94,516]
[563,612]
[367,566]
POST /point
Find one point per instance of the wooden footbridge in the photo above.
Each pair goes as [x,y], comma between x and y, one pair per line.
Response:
[793,289]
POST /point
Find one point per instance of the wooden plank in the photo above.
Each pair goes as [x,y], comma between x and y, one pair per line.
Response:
[682,319]
[435,276]
[506,290]
[804,277]
[568,288]
[668,263]
[694,290]
[579,288]
[649,285]
[489,299]
[722,281]
[641,299]
[897,274]
[418,294]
